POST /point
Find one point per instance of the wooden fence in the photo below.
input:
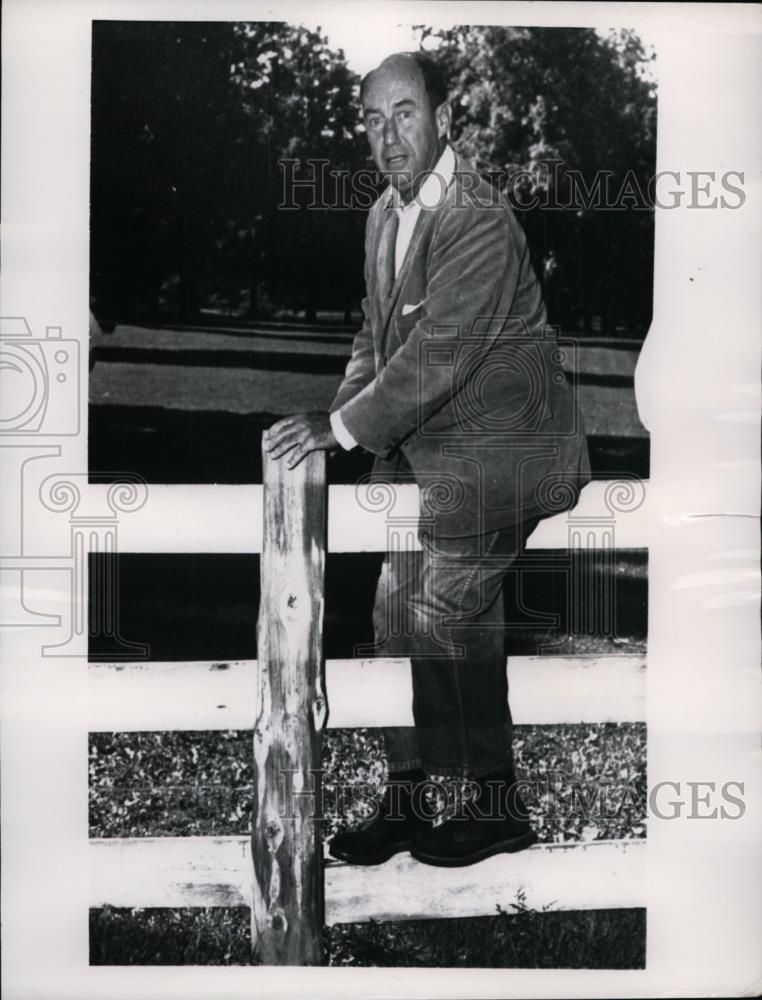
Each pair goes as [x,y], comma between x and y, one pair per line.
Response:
[286,698]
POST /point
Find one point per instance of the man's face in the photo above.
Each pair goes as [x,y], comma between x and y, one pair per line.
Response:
[401,124]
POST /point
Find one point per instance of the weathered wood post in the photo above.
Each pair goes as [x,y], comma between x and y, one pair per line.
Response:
[287,909]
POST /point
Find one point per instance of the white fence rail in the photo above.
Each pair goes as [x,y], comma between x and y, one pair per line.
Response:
[216,871]
[282,698]
[544,690]
[211,518]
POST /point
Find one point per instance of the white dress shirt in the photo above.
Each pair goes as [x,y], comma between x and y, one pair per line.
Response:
[430,195]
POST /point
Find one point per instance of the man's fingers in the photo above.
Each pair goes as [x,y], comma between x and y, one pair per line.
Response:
[279,427]
[283,447]
[296,446]
[293,437]
[301,451]
[285,426]
[303,448]
[285,435]
[295,457]
[276,448]
[284,440]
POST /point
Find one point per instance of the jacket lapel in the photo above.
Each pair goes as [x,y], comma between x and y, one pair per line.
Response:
[425,219]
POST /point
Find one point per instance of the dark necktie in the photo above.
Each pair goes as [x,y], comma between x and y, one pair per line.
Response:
[386,252]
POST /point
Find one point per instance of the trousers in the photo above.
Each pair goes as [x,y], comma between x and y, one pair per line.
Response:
[443,608]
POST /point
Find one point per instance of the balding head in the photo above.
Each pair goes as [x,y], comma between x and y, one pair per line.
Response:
[414,63]
[406,121]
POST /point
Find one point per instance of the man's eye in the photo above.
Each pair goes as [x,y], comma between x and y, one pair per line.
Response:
[373,123]
[403,115]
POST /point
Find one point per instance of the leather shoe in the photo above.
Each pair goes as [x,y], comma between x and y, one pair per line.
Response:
[389,832]
[480,828]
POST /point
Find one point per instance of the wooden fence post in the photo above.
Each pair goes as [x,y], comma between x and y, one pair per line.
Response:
[287,910]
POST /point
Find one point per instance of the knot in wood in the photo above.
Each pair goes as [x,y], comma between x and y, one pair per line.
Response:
[294,603]
[278,922]
[319,711]
[273,835]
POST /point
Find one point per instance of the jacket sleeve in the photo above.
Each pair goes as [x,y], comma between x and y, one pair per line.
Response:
[474,265]
[361,367]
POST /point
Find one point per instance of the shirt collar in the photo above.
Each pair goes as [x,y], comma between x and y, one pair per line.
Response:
[432,191]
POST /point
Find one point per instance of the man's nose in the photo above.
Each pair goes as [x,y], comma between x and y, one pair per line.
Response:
[390,132]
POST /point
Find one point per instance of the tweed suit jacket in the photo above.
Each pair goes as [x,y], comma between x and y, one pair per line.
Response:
[455,375]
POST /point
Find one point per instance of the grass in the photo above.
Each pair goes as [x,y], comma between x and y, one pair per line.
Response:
[200,784]
[592,939]
[203,936]
[182,784]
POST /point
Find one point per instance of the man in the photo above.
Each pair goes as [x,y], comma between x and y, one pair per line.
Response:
[454,383]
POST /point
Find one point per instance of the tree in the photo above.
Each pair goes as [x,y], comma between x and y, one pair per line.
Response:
[190,123]
[525,98]
[301,102]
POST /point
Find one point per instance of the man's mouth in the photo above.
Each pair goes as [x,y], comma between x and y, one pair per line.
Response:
[396,161]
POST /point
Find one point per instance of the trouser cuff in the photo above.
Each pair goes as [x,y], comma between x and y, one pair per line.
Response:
[414,764]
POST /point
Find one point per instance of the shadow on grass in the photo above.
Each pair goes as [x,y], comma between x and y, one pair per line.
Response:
[203,606]
[593,939]
[201,446]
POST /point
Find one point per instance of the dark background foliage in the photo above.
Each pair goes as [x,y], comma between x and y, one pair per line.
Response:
[190,120]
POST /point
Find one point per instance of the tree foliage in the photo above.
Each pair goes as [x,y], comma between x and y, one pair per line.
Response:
[543,105]
[192,120]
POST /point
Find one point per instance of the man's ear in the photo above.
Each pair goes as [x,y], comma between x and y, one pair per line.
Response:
[444,120]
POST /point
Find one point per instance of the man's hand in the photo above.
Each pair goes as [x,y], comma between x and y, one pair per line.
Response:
[299,434]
